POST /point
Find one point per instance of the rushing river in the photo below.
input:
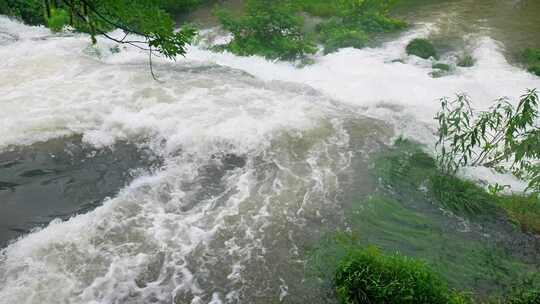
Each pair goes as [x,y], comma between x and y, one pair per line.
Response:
[212,185]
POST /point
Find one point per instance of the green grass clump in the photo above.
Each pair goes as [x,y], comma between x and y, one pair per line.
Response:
[368,276]
[59,19]
[409,170]
[524,210]
[465,61]
[272,29]
[422,48]
[531,57]
[460,196]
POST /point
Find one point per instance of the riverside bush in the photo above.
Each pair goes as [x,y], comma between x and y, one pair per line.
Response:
[335,36]
[59,19]
[368,276]
[531,57]
[356,22]
[422,48]
[272,29]
[29,11]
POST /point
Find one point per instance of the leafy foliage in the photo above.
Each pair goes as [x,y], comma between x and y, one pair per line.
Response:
[319,8]
[30,11]
[355,22]
[531,57]
[422,48]
[335,36]
[275,29]
[368,276]
[504,137]
[144,18]
[59,18]
[272,29]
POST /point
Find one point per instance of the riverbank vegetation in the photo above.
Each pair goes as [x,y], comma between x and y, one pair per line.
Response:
[369,276]
[505,138]
[147,19]
[531,58]
[272,29]
[277,30]
[438,262]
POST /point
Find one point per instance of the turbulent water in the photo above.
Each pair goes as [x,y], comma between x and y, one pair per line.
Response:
[254,158]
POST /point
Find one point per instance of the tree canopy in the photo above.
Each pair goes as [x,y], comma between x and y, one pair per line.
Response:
[145,23]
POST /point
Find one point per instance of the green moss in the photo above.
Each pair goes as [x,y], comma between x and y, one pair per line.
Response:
[368,276]
[59,19]
[465,61]
[422,48]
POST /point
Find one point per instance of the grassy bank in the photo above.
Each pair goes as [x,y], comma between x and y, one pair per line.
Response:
[440,239]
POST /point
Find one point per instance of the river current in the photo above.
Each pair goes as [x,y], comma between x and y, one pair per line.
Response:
[237,166]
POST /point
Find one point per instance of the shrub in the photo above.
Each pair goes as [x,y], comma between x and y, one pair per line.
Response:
[422,48]
[355,23]
[335,36]
[524,297]
[29,11]
[320,8]
[465,61]
[179,7]
[59,18]
[368,276]
[531,57]
[504,137]
[272,29]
